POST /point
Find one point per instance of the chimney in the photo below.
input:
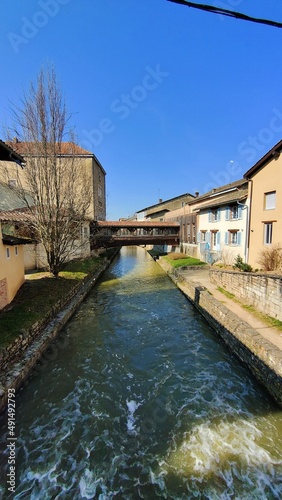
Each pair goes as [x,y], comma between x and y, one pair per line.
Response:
[160,200]
[197,194]
[16,140]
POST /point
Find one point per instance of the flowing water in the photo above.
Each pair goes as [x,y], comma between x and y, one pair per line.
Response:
[138,398]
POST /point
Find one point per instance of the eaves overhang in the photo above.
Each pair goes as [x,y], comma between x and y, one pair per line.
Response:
[8,154]
[273,153]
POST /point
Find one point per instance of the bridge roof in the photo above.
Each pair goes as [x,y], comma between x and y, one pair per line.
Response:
[136,223]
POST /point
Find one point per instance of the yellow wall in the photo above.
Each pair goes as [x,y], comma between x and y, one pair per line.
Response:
[11,272]
[266,180]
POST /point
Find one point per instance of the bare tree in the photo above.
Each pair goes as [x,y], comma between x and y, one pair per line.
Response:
[53,177]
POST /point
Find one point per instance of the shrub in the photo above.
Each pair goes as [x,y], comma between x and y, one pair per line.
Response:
[271,258]
[177,255]
[241,265]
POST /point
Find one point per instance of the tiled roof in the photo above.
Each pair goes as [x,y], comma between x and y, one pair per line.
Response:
[18,215]
[33,148]
[225,199]
[216,191]
[164,202]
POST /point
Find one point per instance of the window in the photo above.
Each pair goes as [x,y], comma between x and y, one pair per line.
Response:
[214,215]
[16,251]
[233,237]
[234,213]
[8,253]
[193,233]
[215,239]
[268,226]
[270,200]
[203,236]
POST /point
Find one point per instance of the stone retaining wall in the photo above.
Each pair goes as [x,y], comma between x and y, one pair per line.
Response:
[262,291]
[262,357]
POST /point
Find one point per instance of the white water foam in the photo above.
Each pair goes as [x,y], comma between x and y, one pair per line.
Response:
[131,421]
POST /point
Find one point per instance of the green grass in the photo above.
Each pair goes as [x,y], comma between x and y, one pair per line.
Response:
[268,320]
[226,293]
[187,261]
[39,294]
[273,322]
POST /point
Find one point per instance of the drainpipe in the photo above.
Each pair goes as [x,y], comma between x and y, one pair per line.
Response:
[246,238]
[249,222]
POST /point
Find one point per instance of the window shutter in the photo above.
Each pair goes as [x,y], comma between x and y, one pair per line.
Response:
[210,216]
[208,237]
[199,237]
[227,213]
[218,213]
[239,238]
[226,235]
[218,238]
[240,215]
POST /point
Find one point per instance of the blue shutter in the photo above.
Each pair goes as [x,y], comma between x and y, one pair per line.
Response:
[218,213]
[199,237]
[218,238]
[226,237]
[240,215]
[227,213]
[239,238]
[208,234]
[210,216]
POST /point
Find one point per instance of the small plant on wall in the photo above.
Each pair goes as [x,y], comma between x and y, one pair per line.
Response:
[241,265]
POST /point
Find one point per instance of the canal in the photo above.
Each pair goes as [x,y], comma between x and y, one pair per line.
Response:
[138,398]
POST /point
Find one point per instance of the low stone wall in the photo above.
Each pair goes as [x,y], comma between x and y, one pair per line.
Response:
[262,357]
[18,359]
[262,291]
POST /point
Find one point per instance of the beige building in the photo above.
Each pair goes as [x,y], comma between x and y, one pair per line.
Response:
[11,248]
[213,226]
[85,159]
[161,210]
[12,274]
[265,186]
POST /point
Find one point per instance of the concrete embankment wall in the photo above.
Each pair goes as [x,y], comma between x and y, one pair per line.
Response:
[262,357]
[20,357]
[263,291]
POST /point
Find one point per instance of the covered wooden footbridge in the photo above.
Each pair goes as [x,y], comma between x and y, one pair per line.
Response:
[125,233]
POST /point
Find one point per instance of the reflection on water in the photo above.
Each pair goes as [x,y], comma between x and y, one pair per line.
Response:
[139,399]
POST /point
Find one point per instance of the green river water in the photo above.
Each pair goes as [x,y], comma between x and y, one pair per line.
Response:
[138,398]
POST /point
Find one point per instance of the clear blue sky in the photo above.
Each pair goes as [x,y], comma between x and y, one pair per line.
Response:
[170,99]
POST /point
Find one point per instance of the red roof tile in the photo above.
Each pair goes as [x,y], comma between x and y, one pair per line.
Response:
[33,148]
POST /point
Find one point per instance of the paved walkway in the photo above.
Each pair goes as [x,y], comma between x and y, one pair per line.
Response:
[201,276]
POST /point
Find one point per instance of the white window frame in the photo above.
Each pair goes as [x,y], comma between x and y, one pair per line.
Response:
[235,209]
[233,237]
[270,200]
[268,233]
[203,235]
[213,239]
